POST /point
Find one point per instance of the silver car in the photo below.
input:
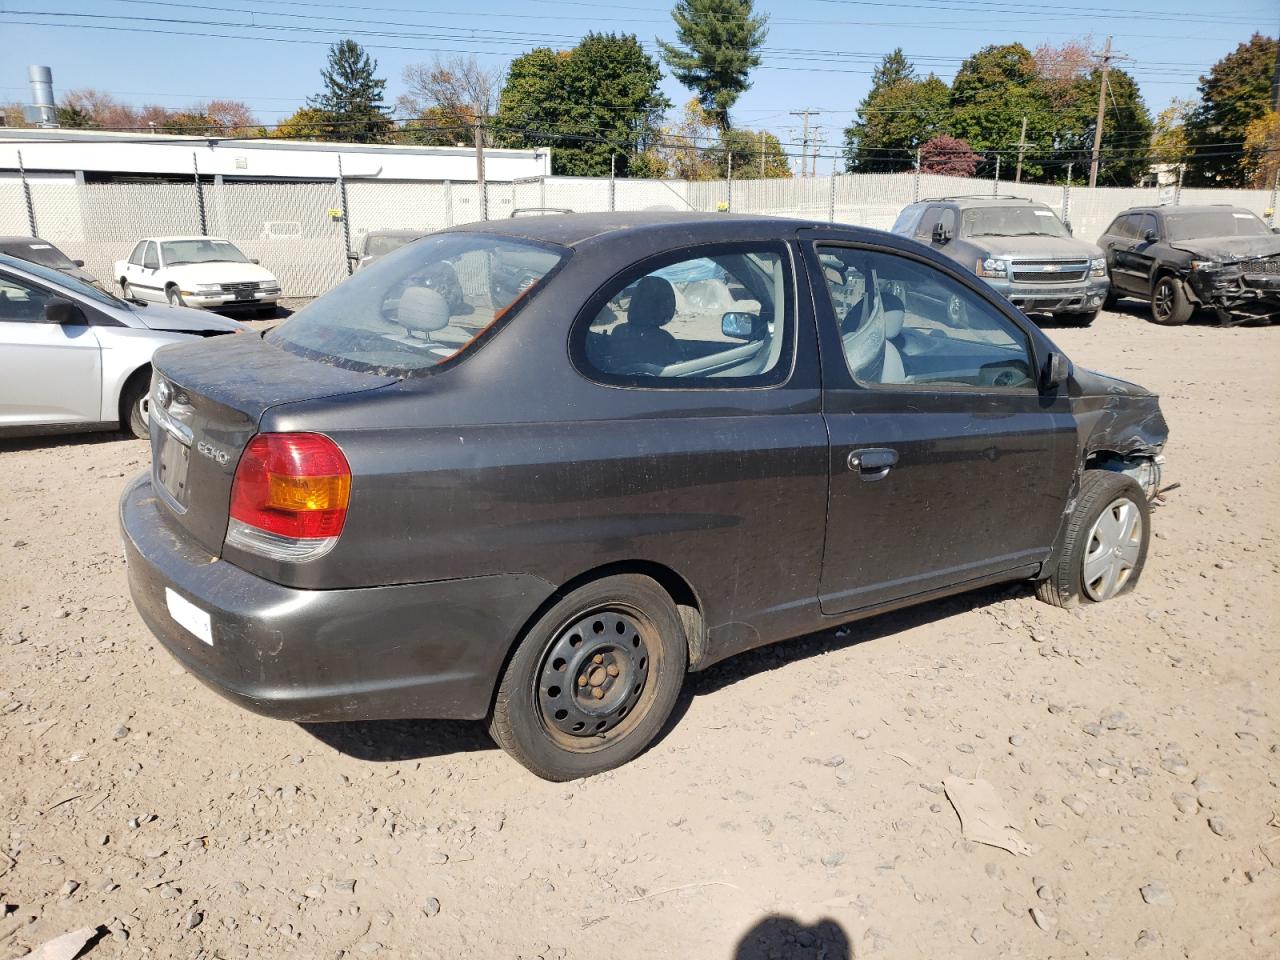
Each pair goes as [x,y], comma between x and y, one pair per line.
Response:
[74,357]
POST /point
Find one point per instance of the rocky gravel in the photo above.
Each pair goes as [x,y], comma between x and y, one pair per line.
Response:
[794,808]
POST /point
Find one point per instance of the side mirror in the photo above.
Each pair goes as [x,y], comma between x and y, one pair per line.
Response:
[64,313]
[1056,370]
[1148,236]
[254,260]
[739,326]
[78,263]
[941,234]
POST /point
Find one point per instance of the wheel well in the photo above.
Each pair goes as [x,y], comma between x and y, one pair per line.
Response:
[142,373]
[676,587]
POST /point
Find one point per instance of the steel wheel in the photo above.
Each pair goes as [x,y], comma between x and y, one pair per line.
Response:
[1112,549]
[593,676]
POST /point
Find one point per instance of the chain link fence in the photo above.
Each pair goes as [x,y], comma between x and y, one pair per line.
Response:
[300,231]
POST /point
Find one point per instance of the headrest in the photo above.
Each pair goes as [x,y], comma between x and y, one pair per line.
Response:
[895,311]
[422,310]
[653,303]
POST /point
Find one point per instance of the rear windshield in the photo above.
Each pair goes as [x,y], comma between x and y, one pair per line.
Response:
[420,305]
[1025,221]
[43,253]
[1213,223]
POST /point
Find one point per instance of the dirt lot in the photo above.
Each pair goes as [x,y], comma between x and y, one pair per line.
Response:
[794,809]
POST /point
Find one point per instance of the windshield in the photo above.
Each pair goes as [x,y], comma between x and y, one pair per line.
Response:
[380,244]
[200,250]
[67,282]
[1213,223]
[1025,221]
[419,306]
[43,253]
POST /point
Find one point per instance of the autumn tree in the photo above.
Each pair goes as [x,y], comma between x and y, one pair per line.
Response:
[948,156]
[756,154]
[718,43]
[1261,159]
[307,123]
[448,98]
[1236,92]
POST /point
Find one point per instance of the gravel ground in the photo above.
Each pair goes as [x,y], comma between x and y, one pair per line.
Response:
[795,808]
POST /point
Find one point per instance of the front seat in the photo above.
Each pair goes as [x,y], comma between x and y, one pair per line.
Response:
[895,312]
[641,340]
[422,311]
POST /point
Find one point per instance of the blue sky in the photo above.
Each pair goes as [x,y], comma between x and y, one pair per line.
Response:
[819,53]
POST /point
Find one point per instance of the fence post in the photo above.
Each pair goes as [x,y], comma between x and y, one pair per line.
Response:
[1275,189]
[1177,190]
[195,169]
[346,219]
[1066,195]
[915,180]
[729,182]
[448,203]
[995,186]
[613,183]
[542,192]
[831,197]
[26,192]
[480,181]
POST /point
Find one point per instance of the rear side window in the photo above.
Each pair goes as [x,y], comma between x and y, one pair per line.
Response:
[150,257]
[1122,226]
[719,317]
[421,305]
[136,257]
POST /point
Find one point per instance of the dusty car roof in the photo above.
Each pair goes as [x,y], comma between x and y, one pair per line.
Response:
[1189,208]
[575,228]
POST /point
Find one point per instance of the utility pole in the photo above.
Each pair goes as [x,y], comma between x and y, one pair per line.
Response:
[818,141]
[1102,107]
[1022,145]
[804,138]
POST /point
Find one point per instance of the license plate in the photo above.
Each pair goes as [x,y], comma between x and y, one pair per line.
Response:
[186,614]
[172,462]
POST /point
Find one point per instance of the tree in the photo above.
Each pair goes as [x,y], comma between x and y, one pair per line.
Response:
[1261,158]
[898,114]
[307,123]
[756,154]
[352,96]
[232,117]
[74,117]
[992,91]
[456,93]
[1236,92]
[717,49]
[948,156]
[598,101]
[1169,133]
[681,150]
[190,122]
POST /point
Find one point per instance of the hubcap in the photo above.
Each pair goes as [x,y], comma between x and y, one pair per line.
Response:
[1114,544]
[594,673]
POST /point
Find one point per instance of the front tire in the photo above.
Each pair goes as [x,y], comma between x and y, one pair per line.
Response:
[1169,304]
[1105,545]
[133,407]
[126,291]
[593,681]
[174,296]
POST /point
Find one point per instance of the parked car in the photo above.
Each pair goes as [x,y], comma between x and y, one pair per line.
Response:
[378,243]
[1019,247]
[548,510]
[1222,258]
[46,254]
[206,272]
[74,357]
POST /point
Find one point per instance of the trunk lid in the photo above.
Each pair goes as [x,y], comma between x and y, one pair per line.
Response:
[207,399]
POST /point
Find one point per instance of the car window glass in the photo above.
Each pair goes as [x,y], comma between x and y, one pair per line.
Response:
[1013,221]
[20,302]
[201,250]
[150,260]
[905,322]
[723,318]
[420,305]
[45,254]
[925,229]
[136,257]
[947,217]
[1146,221]
[1214,223]
[1124,227]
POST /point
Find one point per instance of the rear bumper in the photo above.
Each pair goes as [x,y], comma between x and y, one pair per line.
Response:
[424,650]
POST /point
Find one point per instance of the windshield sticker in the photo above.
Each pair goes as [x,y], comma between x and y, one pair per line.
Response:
[1243,216]
[39,246]
[1043,213]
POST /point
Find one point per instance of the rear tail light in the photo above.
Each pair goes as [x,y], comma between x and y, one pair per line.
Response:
[289,497]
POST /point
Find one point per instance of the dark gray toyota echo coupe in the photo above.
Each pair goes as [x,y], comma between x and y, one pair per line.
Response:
[536,470]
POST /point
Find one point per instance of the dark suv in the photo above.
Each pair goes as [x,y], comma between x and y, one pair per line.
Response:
[1019,247]
[1222,258]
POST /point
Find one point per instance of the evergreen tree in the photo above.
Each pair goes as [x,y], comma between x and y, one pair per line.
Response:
[717,49]
[1236,92]
[353,96]
[898,115]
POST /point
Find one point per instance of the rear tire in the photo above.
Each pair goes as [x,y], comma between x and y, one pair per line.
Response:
[1102,556]
[133,410]
[593,681]
[1169,304]
[126,291]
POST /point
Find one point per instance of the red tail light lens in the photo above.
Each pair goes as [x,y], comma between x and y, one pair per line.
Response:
[294,485]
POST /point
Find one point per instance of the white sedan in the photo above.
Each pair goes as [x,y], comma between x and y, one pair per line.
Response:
[74,357]
[204,272]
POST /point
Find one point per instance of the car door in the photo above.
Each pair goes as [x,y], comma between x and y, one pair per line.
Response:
[1115,243]
[1142,255]
[145,276]
[49,373]
[947,464]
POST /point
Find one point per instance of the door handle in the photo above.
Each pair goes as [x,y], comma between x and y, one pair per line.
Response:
[873,463]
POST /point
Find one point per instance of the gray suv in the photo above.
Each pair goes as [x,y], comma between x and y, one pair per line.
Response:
[1017,246]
